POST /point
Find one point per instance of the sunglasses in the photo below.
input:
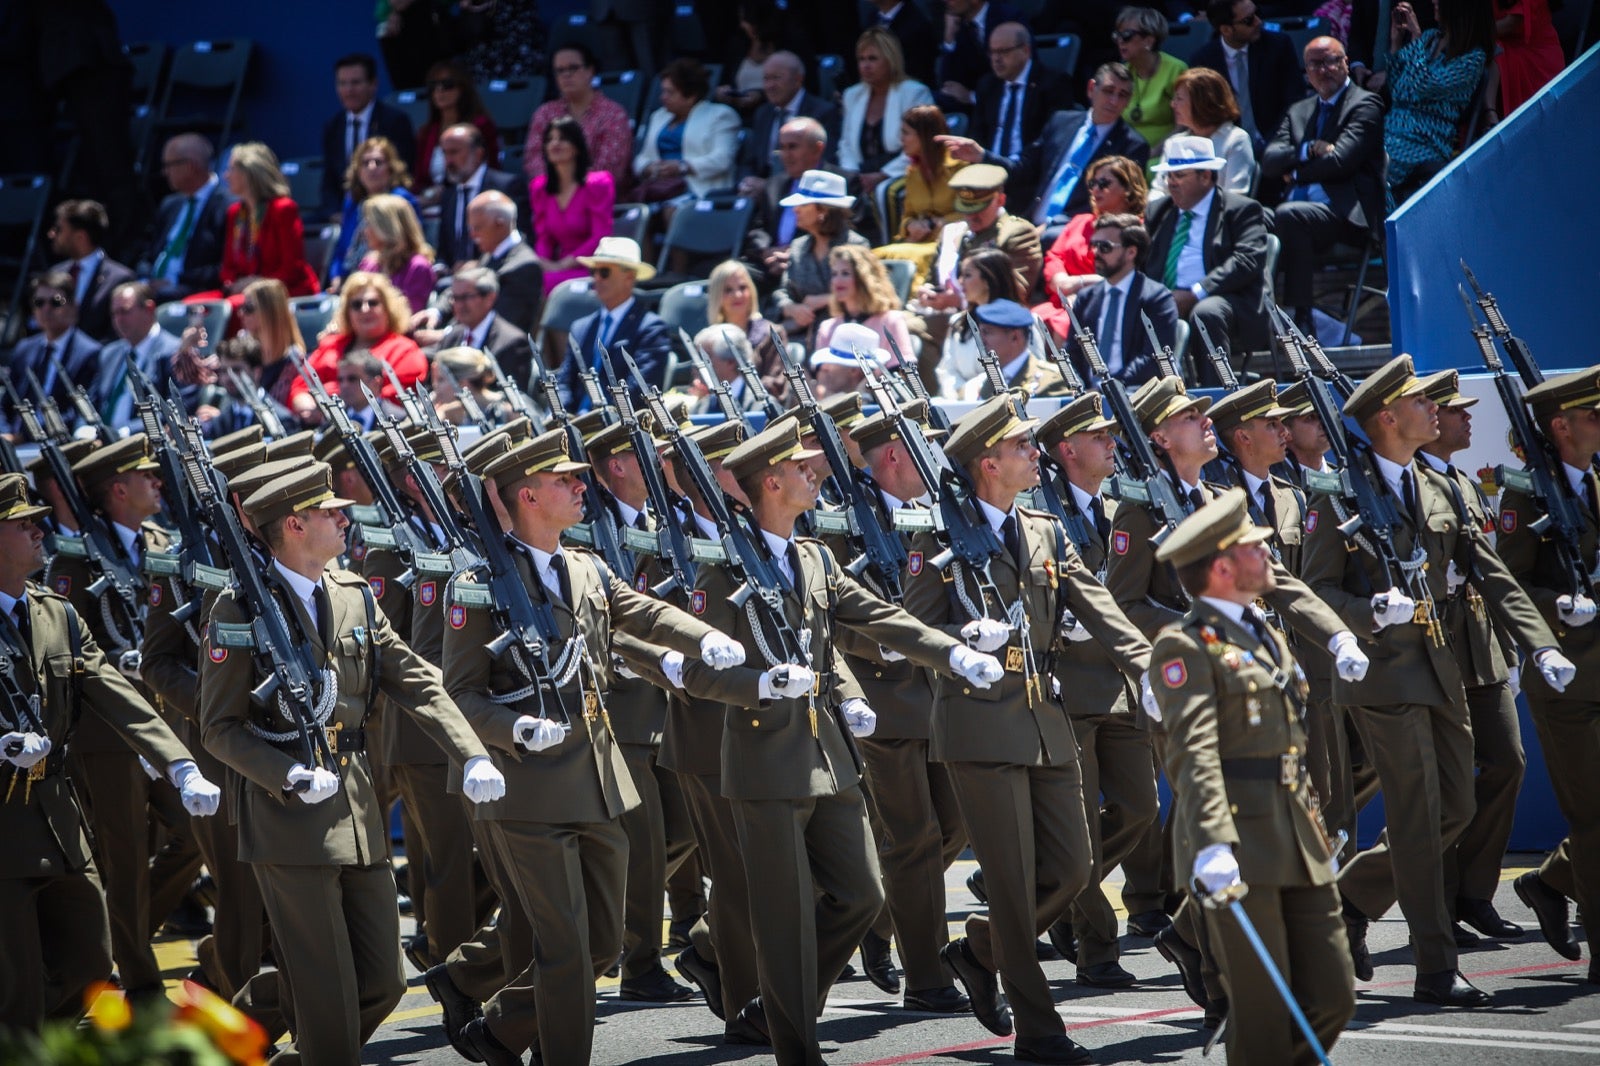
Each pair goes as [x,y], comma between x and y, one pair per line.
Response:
[50,301]
[366,304]
[444,83]
[1104,246]
[1102,183]
[600,272]
[1249,20]
[1126,35]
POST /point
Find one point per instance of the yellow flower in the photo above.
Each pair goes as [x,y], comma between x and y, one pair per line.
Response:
[236,1035]
[107,1007]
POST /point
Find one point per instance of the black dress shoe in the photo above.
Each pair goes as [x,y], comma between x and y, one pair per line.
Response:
[705,977]
[1104,975]
[1550,907]
[878,963]
[1148,923]
[983,987]
[1054,1049]
[1464,937]
[1216,1013]
[1045,951]
[488,1050]
[1066,945]
[945,1000]
[616,967]
[1187,960]
[459,1008]
[1481,915]
[750,1027]
[416,949]
[1355,930]
[654,986]
[678,932]
[1448,988]
[188,920]
[976,886]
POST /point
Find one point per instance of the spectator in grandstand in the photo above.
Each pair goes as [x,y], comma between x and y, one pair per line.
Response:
[1115,309]
[719,344]
[915,38]
[361,115]
[80,228]
[802,144]
[835,366]
[59,340]
[1326,161]
[1203,104]
[968,48]
[690,143]
[467,174]
[1139,35]
[185,253]
[377,169]
[1116,187]
[265,238]
[606,127]
[372,316]
[360,370]
[1259,65]
[869,137]
[822,214]
[133,315]
[1017,96]
[452,100]
[265,316]
[1530,52]
[621,322]
[859,291]
[731,302]
[1433,76]
[783,80]
[398,249]
[570,202]
[474,296]
[743,86]
[929,201]
[984,276]
[468,369]
[505,251]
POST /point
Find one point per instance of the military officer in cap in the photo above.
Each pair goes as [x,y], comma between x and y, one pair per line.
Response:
[1233,702]
[60,522]
[1009,749]
[789,766]
[1413,710]
[316,834]
[559,832]
[1005,327]
[1567,410]
[53,918]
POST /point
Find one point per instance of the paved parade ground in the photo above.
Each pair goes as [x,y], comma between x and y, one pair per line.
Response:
[1542,1011]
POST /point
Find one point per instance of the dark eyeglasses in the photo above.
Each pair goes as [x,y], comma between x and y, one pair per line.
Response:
[1249,20]
[1102,183]
[1126,35]
[443,83]
[366,304]
[600,272]
[1104,246]
[57,300]
[248,307]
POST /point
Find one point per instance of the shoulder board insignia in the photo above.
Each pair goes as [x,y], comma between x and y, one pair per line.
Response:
[72,547]
[458,617]
[1311,522]
[697,601]
[1508,521]
[378,585]
[64,585]
[358,552]
[1119,542]
[155,593]
[641,582]
[1174,673]
[217,654]
[427,593]
[467,594]
[231,635]
[914,563]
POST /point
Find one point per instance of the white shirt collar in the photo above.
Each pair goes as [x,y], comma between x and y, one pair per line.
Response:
[541,562]
[619,312]
[1233,611]
[9,603]
[506,245]
[1391,472]
[1203,208]
[365,115]
[476,180]
[778,546]
[707,528]
[1434,461]
[1125,286]
[1230,52]
[1334,99]
[1576,477]
[629,513]
[1013,368]
[995,516]
[1084,499]
[128,537]
[477,334]
[1252,484]
[301,585]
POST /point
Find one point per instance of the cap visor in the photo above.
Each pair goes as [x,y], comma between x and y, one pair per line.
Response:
[566,466]
[19,513]
[1255,535]
[334,504]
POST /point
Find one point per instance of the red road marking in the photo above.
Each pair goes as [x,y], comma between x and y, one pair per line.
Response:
[1562,965]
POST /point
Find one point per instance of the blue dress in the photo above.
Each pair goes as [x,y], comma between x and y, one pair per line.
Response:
[1429,94]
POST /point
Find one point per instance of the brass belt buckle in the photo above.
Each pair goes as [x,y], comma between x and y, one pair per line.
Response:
[332,734]
[1289,770]
[1013,660]
[591,706]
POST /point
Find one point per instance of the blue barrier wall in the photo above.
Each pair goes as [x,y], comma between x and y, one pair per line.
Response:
[1520,207]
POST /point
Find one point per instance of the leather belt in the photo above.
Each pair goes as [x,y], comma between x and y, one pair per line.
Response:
[1287,770]
[340,741]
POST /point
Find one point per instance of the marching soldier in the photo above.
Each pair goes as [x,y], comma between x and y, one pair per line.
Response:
[1233,702]
[1413,710]
[315,834]
[559,833]
[1567,410]
[53,918]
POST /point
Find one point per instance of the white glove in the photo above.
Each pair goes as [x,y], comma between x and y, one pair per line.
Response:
[1556,669]
[787,682]
[1072,630]
[128,664]
[322,783]
[889,655]
[1576,610]
[986,634]
[1454,578]
[149,771]
[672,666]
[481,781]
[1348,659]
[861,718]
[537,734]
[1147,697]
[1514,678]
[1216,868]
[721,651]
[200,797]
[33,748]
[1392,608]
[974,667]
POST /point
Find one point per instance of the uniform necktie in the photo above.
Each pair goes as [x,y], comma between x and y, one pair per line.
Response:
[324,614]
[1013,539]
[1258,626]
[1180,240]
[558,569]
[1269,510]
[791,562]
[1070,177]
[1590,498]
[1008,119]
[1097,512]
[607,323]
[174,251]
[1324,114]
[640,521]
[19,616]
[1408,494]
[1196,499]
[48,370]
[1241,90]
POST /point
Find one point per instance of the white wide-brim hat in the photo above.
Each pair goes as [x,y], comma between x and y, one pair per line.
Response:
[619,252]
[820,187]
[1189,153]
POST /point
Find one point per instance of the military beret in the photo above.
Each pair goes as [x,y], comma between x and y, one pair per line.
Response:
[102,464]
[1083,415]
[1214,527]
[1007,314]
[984,426]
[781,441]
[548,453]
[72,451]
[14,501]
[1387,384]
[310,487]
[1566,392]
[1160,398]
[295,445]
[1256,400]
[1444,389]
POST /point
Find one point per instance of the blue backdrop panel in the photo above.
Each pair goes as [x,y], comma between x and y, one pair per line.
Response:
[1520,207]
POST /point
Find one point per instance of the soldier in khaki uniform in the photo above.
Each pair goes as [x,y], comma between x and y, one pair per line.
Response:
[1010,749]
[559,836]
[53,918]
[1567,410]
[1233,702]
[1413,707]
[321,853]
[1005,327]
[789,766]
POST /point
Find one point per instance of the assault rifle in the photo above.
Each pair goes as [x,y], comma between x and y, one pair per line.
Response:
[672,545]
[598,529]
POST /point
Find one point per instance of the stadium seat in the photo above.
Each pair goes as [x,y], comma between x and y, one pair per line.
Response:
[1185,38]
[319,245]
[901,273]
[631,221]
[684,307]
[703,230]
[23,200]
[625,88]
[1059,53]
[208,75]
[305,181]
[567,303]
[511,104]
[414,102]
[312,314]
[177,316]
[1300,29]
[149,62]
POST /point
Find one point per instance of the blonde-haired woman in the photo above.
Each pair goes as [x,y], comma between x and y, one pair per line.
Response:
[869,136]
[464,368]
[860,291]
[375,168]
[372,316]
[264,235]
[731,300]
[398,248]
[266,316]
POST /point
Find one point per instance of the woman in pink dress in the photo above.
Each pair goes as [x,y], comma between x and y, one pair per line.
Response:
[570,204]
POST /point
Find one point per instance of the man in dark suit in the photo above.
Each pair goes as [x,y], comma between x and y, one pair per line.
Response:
[1209,247]
[1016,96]
[492,221]
[783,80]
[81,226]
[964,55]
[184,254]
[621,322]
[133,312]
[467,174]
[473,295]
[1327,159]
[1111,309]
[361,115]
[1259,63]
[56,311]
[916,35]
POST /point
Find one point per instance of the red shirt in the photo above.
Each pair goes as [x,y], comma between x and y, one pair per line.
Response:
[273,247]
[398,350]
